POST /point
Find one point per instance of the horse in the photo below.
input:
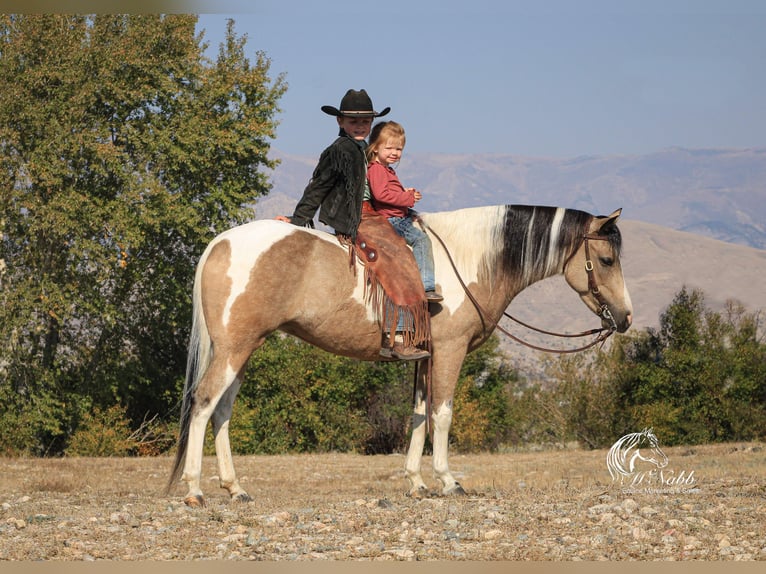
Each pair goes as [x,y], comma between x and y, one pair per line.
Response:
[268,275]
[626,453]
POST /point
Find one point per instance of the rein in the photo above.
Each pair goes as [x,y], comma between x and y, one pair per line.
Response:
[603,334]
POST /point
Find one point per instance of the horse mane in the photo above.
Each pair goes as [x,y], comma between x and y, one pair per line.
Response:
[532,242]
[539,240]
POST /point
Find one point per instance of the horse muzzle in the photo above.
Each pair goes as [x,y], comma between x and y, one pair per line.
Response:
[620,324]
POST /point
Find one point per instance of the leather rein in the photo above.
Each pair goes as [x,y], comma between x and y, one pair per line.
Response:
[604,312]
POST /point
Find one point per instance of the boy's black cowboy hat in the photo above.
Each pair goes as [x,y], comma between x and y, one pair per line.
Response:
[355,104]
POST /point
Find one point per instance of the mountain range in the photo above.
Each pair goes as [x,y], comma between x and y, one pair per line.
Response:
[694,218]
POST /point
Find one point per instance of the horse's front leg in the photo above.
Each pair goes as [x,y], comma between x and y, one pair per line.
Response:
[221,417]
[442,420]
[418,439]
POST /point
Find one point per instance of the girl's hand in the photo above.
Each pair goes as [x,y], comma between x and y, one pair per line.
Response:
[415,193]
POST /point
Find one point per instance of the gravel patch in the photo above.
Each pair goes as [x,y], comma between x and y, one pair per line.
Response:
[558,506]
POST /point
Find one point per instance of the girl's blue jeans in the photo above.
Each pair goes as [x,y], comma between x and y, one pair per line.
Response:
[421,249]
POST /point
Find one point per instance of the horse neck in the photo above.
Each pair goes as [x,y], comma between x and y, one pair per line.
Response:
[537,241]
[530,276]
[508,248]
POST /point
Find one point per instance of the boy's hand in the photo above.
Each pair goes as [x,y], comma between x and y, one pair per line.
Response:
[415,193]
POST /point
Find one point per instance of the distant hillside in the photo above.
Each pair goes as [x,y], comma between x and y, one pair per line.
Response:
[715,193]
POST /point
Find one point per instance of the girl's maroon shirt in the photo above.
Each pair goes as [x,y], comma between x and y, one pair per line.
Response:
[389,197]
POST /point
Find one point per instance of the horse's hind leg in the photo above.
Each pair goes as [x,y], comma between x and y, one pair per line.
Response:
[221,418]
[212,387]
[418,438]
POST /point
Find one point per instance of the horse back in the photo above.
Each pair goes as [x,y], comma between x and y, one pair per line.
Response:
[268,275]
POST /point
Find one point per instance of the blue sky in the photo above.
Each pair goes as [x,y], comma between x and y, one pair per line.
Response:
[537,78]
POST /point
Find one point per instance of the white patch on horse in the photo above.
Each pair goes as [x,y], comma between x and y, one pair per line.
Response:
[552,259]
[528,258]
[472,249]
[442,419]
[250,243]
[252,240]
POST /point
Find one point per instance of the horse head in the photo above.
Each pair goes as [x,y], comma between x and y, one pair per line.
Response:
[595,273]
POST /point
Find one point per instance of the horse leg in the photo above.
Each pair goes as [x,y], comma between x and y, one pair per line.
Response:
[213,385]
[220,419]
[442,420]
[418,438]
[447,364]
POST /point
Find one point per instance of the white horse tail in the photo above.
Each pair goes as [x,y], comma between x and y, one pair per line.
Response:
[197,361]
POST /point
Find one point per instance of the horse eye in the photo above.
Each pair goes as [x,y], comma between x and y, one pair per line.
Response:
[606,261]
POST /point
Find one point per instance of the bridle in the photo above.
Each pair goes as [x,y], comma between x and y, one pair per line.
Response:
[604,312]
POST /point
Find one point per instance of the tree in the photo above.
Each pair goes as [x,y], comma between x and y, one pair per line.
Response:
[583,404]
[487,395]
[123,151]
[298,398]
[700,378]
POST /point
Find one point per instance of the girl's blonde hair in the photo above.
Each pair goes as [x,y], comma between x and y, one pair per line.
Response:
[381,133]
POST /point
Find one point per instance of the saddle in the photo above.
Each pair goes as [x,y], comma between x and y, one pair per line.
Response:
[393,286]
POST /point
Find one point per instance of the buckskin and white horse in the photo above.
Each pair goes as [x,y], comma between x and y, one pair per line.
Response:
[268,275]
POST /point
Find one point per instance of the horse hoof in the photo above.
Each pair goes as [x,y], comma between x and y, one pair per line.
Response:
[419,492]
[196,501]
[455,490]
[242,497]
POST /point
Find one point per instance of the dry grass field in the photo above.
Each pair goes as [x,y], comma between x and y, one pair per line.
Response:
[546,506]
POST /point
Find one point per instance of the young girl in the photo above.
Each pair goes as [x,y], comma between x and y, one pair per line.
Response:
[392,200]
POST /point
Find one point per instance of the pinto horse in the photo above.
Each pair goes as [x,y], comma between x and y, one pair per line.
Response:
[268,275]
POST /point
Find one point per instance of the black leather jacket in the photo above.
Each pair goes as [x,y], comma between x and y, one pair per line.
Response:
[336,188]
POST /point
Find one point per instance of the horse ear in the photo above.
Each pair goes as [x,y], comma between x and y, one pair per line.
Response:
[605,222]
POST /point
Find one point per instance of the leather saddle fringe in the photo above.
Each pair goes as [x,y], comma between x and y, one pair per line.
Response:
[393,286]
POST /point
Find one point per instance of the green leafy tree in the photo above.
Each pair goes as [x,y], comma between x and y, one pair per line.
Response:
[583,404]
[700,378]
[486,396]
[738,355]
[123,150]
[297,398]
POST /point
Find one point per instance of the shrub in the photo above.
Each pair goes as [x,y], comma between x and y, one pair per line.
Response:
[103,432]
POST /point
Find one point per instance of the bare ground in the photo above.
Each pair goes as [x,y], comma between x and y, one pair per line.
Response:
[549,506]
